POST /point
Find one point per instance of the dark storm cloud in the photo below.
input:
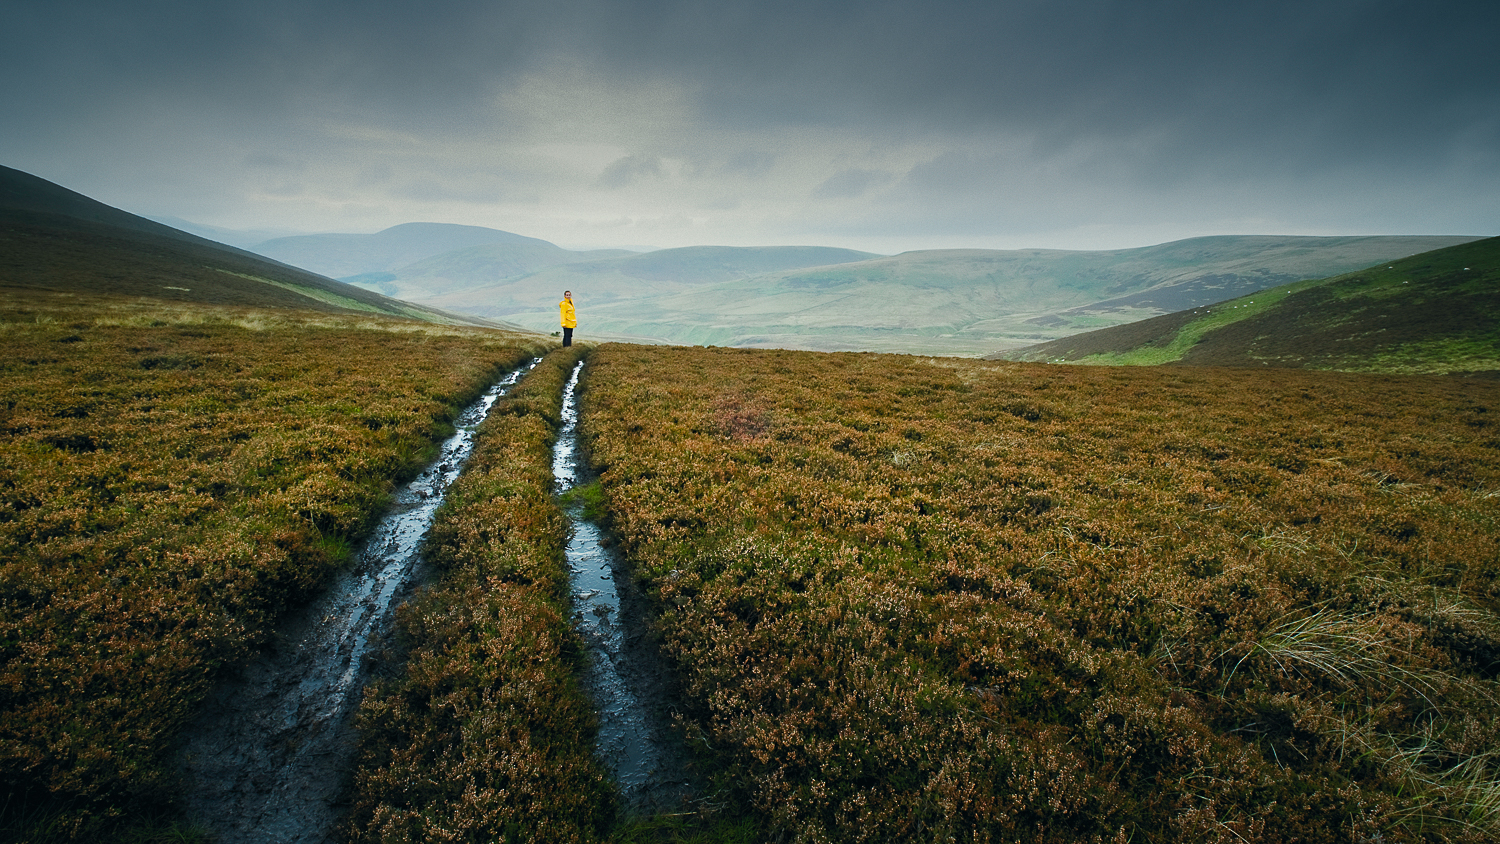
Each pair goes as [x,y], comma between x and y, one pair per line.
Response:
[1381,75]
[628,170]
[848,184]
[1079,100]
[270,54]
[1307,81]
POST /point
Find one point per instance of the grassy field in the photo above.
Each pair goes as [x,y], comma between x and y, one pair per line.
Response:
[171,476]
[942,600]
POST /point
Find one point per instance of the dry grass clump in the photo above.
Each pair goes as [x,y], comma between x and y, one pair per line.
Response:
[1006,602]
[168,483]
[485,736]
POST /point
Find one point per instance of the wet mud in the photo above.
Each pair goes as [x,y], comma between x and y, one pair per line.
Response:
[269,757]
[629,681]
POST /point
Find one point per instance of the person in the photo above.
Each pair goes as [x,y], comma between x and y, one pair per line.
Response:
[569,317]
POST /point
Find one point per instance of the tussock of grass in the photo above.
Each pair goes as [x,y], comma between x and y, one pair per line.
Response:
[587,498]
[1348,647]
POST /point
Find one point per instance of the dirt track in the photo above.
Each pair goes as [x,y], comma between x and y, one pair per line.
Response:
[269,756]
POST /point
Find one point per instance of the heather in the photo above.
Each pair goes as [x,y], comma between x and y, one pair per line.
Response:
[921,599]
[484,734]
[172,478]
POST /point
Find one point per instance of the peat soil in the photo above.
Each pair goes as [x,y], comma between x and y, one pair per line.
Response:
[626,675]
[270,754]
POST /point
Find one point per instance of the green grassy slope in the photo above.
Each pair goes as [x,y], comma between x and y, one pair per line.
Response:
[958,301]
[1437,312]
[54,240]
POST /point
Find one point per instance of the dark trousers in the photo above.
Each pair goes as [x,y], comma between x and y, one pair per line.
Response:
[567,336]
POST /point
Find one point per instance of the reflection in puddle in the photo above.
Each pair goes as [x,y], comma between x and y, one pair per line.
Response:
[268,757]
[625,674]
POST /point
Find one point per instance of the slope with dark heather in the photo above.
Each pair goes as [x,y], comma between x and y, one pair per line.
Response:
[1437,312]
[55,240]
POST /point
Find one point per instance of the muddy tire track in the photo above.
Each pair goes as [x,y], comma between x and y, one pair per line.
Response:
[270,755]
[626,675]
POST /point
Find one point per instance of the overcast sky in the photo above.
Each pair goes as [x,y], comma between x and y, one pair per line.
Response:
[874,125]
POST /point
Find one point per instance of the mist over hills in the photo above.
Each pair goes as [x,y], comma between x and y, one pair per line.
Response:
[961,301]
[344,255]
[641,278]
[246,239]
[1436,312]
[489,272]
[964,302]
[967,302]
[57,241]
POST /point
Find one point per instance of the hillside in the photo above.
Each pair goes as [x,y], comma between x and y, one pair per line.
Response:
[945,301]
[347,255]
[58,241]
[1437,312]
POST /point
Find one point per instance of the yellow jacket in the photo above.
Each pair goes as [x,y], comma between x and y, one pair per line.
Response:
[569,316]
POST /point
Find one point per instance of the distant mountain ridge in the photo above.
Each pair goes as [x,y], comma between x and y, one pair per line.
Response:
[531,299]
[1436,312]
[344,255]
[246,239]
[964,301]
[959,301]
[55,240]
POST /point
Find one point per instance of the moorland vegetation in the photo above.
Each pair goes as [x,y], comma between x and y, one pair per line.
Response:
[945,600]
[171,477]
[906,598]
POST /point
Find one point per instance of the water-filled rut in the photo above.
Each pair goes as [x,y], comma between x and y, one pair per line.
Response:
[269,756]
[625,675]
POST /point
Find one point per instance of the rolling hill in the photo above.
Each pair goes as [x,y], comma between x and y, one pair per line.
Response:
[632,278]
[55,240]
[1436,312]
[963,302]
[379,256]
[946,302]
[450,274]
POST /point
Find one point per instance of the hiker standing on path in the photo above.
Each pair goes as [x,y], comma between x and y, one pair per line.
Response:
[569,317]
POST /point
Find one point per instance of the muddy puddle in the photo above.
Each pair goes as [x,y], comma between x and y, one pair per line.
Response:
[626,676]
[269,757]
